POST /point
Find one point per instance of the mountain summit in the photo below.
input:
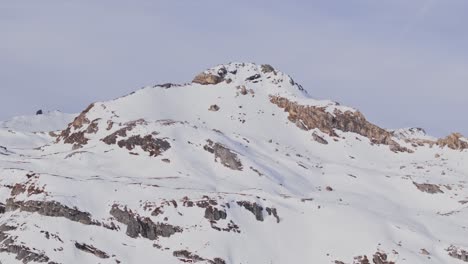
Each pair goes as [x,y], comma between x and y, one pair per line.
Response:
[241,165]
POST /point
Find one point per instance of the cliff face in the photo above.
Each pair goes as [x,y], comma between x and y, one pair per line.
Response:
[312,117]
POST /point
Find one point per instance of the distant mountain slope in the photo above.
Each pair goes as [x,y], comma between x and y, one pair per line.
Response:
[241,165]
[46,122]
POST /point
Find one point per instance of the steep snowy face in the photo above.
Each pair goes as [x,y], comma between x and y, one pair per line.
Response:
[239,166]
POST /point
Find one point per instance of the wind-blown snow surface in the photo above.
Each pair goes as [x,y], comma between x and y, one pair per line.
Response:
[334,201]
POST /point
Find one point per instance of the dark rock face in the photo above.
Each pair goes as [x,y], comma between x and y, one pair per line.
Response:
[225,155]
[39,112]
[213,214]
[137,225]
[187,256]
[254,208]
[319,139]
[311,117]
[206,78]
[154,146]
[50,208]
[427,187]
[458,253]
[90,249]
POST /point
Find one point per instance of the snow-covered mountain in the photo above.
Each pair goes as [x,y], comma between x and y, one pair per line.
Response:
[241,165]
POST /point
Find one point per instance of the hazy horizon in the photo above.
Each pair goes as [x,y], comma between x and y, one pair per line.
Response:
[402,64]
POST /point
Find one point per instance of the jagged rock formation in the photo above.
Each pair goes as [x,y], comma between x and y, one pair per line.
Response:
[454,141]
[144,226]
[312,117]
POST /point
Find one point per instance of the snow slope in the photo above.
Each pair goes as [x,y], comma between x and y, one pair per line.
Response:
[164,176]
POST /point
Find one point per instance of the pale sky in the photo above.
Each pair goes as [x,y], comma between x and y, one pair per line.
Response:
[402,63]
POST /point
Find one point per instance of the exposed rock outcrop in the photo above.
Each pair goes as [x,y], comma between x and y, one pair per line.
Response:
[206,78]
[154,146]
[319,139]
[454,141]
[144,226]
[311,117]
[214,214]
[227,157]
[214,108]
[122,132]
[52,209]
[92,250]
[77,139]
[427,187]
[254,208]
[187,256]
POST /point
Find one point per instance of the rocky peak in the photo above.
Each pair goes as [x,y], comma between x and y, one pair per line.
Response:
[242,73]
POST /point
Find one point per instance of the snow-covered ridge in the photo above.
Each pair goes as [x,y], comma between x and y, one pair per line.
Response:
[412,133]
